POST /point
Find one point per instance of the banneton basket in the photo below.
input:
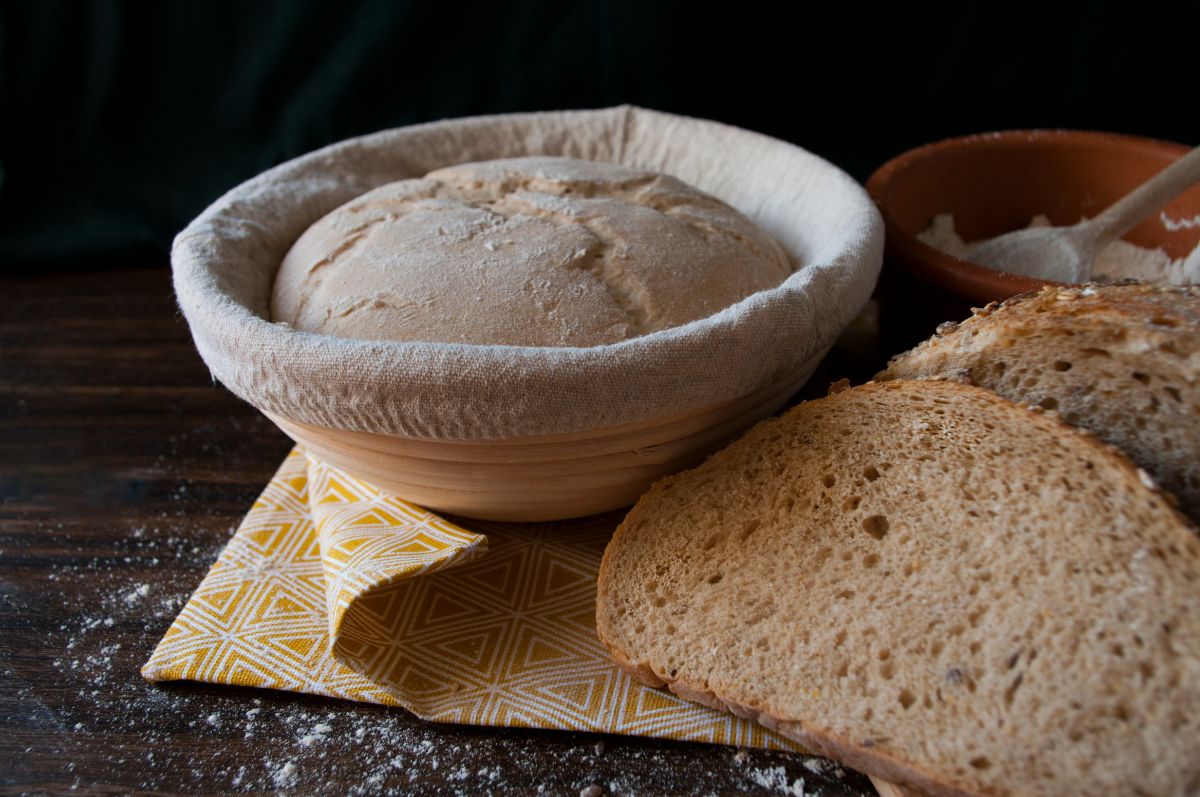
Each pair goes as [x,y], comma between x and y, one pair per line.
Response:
[529,433]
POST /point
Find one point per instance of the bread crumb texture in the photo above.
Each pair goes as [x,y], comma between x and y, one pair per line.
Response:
[930,583]
[1122,361]
[527,251]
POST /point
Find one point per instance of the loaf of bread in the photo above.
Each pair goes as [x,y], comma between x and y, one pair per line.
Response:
[530,251]
[1122,361]
[929,583]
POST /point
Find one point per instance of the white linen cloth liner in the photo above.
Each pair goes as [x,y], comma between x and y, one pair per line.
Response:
[224,264]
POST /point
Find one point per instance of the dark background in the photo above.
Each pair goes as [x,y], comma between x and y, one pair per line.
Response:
[123,470]
[120,121]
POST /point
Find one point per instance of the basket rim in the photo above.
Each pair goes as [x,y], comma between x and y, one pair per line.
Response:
[224,256]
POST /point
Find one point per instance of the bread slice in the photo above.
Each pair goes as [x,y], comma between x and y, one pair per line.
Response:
[1122,361]
[929,583]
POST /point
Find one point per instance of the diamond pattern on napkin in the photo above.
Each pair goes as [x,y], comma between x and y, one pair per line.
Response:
[332,587]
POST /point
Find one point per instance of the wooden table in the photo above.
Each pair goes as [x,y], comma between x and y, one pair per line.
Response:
[123,472]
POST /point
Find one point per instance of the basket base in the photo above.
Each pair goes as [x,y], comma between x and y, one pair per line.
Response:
[550,477]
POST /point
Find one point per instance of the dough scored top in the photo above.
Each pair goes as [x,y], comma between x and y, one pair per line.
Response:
[535,251]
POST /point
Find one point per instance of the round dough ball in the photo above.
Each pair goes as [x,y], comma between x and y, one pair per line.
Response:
[523,252]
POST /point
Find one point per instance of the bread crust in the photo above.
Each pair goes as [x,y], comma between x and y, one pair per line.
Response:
[858,755]
[1140,395]
[821,742]
[1128,303]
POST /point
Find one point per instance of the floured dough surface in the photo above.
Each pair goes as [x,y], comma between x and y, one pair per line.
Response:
[527,251]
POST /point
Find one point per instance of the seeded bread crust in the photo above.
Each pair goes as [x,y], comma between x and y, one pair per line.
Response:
[1121,360]
[815,732]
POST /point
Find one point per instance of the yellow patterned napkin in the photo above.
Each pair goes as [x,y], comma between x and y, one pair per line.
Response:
[332,587]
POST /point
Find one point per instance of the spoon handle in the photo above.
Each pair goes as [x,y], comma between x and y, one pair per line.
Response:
[1124,214]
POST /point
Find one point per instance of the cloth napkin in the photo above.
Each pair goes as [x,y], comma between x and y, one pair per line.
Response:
[333,587]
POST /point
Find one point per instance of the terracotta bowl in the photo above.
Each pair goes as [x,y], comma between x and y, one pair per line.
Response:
[994,183]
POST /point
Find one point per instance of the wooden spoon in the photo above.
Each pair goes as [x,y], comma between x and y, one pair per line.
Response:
[1066,254]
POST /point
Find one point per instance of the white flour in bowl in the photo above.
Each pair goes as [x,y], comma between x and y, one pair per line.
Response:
[1118,260]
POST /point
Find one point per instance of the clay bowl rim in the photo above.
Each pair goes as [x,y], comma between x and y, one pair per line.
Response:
[963,277]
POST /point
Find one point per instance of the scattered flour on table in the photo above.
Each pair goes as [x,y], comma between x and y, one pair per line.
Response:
[283,775]
[315,734]
[120,730]
[776,779]
[823,766]
[1119,260]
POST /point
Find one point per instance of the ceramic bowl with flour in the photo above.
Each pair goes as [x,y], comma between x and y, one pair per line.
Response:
[939,196]
[530,432]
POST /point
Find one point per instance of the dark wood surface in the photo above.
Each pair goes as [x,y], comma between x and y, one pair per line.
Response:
[123,472]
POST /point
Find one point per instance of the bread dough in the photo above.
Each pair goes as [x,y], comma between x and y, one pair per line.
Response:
[529,252]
